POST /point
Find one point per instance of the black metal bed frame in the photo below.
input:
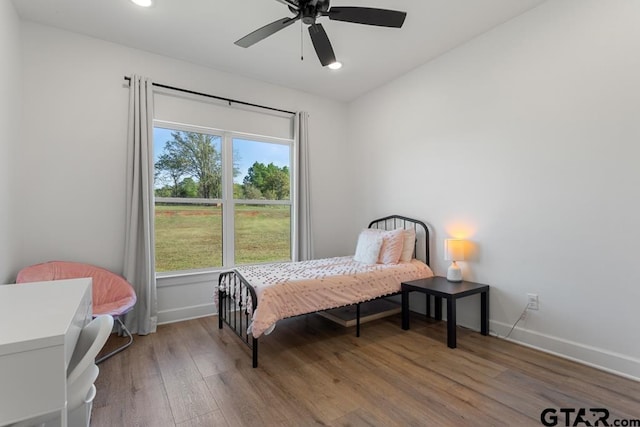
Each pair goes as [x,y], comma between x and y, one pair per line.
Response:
[237,299]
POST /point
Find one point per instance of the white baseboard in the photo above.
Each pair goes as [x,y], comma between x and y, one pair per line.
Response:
[186,313]
[615,363]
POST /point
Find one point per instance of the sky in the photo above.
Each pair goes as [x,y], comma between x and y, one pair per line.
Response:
[249,152]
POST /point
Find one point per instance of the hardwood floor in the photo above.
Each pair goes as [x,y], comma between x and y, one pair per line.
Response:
[313,372]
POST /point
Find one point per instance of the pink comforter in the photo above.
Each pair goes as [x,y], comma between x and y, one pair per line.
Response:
[294,288]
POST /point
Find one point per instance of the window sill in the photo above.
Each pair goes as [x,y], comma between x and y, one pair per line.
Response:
[186,277]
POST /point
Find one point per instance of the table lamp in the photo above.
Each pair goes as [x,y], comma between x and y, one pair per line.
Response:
[454,251]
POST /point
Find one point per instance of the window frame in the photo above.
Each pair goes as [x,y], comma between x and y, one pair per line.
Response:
[228,202]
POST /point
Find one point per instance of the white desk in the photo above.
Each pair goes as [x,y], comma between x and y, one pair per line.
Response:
[39,327]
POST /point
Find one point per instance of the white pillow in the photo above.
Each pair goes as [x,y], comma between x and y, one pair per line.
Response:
[368,247]
[408,245]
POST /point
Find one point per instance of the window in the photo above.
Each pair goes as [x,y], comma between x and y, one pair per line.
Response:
[222,198]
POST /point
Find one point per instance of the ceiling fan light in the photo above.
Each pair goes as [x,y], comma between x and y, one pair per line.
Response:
[142,3]
[335,65]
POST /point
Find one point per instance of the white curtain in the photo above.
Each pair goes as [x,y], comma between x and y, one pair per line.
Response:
[305,236]
[139,257]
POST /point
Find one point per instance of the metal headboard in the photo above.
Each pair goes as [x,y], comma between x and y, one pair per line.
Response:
[393,222]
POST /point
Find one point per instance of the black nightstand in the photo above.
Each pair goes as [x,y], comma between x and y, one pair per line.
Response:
[440,288]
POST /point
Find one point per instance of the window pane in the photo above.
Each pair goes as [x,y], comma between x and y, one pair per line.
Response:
[261,170]
[262,233]
[188,236]
[187,164]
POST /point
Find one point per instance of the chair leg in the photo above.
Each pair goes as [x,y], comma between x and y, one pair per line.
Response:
[119,349]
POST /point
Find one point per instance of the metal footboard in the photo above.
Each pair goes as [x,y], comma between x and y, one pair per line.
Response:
[237,302]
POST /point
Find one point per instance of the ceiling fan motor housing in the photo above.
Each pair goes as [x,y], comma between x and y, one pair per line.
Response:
[312,9]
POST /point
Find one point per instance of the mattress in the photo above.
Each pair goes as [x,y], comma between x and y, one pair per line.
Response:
[294,288]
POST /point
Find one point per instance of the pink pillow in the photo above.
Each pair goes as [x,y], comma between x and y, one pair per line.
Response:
[409,244]
[392,244]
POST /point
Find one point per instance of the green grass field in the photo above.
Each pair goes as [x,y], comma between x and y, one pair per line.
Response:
[190,237]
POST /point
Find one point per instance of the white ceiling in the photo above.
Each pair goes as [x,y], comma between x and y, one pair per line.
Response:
[203,31]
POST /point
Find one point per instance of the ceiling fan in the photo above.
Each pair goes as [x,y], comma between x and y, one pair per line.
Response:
[309,10]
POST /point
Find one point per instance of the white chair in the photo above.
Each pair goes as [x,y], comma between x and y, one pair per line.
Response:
[80,395]
[91,340]
[80,416]
[81,374]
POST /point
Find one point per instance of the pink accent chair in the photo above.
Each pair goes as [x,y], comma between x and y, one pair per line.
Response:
[112,294]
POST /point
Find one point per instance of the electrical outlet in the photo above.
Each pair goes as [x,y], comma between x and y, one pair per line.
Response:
[532,302]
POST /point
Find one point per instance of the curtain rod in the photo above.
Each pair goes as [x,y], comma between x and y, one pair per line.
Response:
[229,100]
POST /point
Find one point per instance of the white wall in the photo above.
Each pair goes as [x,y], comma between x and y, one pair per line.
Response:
[525,141]
[10,110]
[72,162]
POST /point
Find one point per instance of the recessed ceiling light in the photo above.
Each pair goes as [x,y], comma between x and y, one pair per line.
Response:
[143,3]
[335,65]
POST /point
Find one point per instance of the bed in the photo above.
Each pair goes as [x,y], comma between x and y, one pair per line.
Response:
[252,299]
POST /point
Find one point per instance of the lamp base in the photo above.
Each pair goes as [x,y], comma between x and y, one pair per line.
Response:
[454,273]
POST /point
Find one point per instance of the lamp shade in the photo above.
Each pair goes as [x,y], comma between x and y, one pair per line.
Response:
[454,249]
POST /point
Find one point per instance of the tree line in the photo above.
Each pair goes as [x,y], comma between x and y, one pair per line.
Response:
[190,166]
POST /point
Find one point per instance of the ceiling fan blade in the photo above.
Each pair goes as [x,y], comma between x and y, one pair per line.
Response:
[322,44]
[264,32]
[367,16]
[292,3]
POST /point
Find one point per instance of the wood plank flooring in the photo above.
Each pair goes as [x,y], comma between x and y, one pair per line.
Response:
[313,372]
